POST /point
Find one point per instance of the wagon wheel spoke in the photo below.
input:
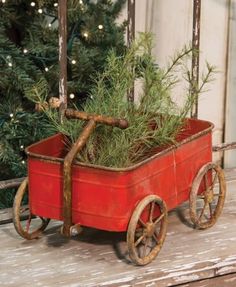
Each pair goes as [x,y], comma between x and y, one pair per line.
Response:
[138,241]
[144,251]
[24,209]
[214,181]
[206,180]
[202,212]
[159,219]
[151,211]
[155,238]
[28,223]
[210,208]
[142,222]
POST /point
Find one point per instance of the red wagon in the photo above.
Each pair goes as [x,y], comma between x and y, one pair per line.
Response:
[135,199]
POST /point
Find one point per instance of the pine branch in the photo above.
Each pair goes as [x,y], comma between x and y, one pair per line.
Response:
[155,122]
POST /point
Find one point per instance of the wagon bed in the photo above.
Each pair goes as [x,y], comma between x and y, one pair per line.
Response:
[105,198]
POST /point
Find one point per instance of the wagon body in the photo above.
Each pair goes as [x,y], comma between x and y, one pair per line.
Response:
[105,198]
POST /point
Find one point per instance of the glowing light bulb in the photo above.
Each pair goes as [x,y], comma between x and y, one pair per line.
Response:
[49,25]
[25,51]
[72,96]
[3,1]
[73,62]
[55,4]
[100,27]
[23,162]
[21,147]
[32,4]
[85,34]
[81,2]
[10,64]
[46,69]
[40,11]
[11,115]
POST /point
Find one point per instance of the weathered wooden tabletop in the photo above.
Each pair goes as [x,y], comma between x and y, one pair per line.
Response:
[98,258]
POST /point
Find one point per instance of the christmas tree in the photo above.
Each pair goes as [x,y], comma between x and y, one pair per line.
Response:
[29,54]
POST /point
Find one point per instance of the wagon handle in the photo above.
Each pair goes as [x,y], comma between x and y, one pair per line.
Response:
[74,114]
[91,119]
[224,146]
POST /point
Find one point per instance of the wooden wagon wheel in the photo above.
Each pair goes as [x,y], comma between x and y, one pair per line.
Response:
[207,196]
[147,230]
[33,225]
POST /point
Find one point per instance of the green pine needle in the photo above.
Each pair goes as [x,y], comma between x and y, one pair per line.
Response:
[113,147]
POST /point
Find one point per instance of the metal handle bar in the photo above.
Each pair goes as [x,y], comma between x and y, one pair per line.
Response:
[74,114]
[224,146]
[77,146]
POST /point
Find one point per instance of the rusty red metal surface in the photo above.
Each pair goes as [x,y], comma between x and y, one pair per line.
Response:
[105,198]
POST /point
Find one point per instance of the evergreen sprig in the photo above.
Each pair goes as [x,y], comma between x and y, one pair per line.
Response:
[154,121]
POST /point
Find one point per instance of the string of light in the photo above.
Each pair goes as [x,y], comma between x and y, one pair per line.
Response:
[25,51]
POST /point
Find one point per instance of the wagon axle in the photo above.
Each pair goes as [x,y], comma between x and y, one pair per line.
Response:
[208,196]
[149,230]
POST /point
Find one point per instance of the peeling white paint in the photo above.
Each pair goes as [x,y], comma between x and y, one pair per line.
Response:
[231,279]
[121,280]
[97,273]
[104,253]
[187,278]
[60,47]
[227,270]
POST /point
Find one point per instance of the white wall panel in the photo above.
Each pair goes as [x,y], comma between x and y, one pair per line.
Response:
[214,28]
[230,132]
[171,23]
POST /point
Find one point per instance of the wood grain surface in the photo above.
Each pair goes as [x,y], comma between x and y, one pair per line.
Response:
[99,258]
